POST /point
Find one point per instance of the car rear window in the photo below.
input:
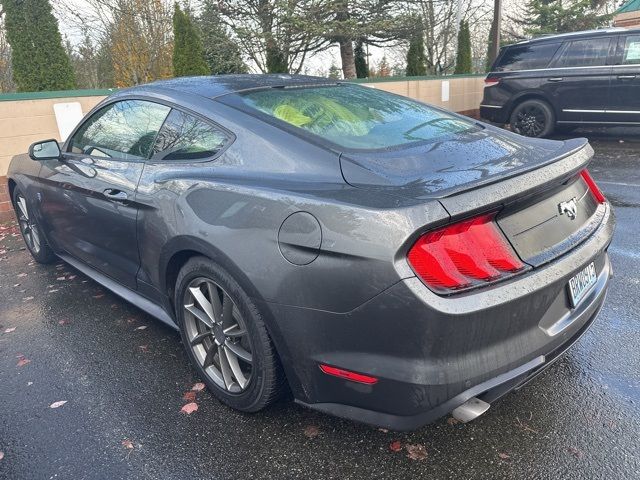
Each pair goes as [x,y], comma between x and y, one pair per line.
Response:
[526,57]
[355,117]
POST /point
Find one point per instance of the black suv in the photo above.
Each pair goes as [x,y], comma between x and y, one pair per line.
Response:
[566,80]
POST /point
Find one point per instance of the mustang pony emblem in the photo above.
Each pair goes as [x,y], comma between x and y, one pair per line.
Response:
[570,207]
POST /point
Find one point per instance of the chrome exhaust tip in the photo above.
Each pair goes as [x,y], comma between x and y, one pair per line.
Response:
[469,410]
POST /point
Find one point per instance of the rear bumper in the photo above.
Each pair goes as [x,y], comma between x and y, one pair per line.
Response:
[494,114]
[433,353]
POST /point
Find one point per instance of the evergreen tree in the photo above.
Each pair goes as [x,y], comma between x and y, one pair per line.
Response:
[334,71]
[38,58]
[489,61]
[559,16]
[362,70]
[416,59]
[463,57]
[221,52]
[188,53]
[276,60]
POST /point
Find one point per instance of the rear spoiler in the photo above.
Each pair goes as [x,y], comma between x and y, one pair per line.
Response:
[498,191]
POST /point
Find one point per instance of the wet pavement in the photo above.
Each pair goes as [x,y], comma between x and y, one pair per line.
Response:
[123,376]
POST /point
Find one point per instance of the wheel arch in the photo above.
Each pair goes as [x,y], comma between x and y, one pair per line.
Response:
[178,252]
[523,97]
[11,183]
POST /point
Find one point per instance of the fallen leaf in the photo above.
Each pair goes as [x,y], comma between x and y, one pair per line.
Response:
[126,443]
[416,452]
[575,452]
[144,348]
[57,404]
[383,430]
[395,446]
[189,408]
[198,387]
[22,275]
[141,327]
[63,322]
[9,330]
[311,431]
[22,362]
[60,279]
[100,295]
[27,299]
[71,277]
[53,290]
[1,455]
[452,421]
[504,456]
[189,396]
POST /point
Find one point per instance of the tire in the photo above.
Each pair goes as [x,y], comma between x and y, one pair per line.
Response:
[30,230]
[533,118]
[216,344]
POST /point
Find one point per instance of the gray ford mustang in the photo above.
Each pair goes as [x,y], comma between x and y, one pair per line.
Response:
[381,259]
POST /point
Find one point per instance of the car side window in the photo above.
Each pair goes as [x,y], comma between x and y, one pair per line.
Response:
[592,52]
[125,130]
[185,137]
[631,55]
[527,57]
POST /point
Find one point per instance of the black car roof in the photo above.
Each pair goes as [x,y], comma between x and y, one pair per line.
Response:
[576,35]
[215,86]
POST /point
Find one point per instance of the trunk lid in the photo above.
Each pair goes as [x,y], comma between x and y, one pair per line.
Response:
[528,181]
[458,163]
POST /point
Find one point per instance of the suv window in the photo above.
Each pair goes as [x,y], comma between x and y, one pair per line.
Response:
[184,137]
[631,55]
[526,57]
[125,130]
[585,53]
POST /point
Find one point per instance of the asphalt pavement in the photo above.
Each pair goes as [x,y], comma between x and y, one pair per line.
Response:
[124,378]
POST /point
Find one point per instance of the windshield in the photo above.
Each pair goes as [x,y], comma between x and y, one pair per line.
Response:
[356,117]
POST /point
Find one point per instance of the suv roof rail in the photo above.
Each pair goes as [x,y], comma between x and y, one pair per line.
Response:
[568,34]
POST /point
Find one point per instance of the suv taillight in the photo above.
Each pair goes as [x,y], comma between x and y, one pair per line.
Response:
[464,255]
[490,82]
[595,190]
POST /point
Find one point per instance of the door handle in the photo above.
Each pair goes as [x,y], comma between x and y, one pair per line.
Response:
[626,77]
[115,194]
[555,79]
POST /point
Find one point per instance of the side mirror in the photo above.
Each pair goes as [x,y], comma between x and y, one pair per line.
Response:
[45,150]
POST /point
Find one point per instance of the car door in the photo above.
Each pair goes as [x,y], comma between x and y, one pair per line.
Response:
[624,105]
[88,197]
[579,78]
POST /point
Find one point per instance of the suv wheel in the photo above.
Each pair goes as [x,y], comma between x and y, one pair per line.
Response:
[226,338]
[533,118]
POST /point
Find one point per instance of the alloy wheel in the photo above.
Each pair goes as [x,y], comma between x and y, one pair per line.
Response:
[530,121]
[217,335]
[28,226]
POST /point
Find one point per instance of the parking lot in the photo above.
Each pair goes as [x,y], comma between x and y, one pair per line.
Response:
[124,378]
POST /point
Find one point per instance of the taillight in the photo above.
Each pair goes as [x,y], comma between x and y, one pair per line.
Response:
[490,82]
[595,190]
[464,255]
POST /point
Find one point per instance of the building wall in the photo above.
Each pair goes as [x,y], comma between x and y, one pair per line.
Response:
[27,118]
[627,19]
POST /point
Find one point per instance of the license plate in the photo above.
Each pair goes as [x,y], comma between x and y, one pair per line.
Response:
[581,283]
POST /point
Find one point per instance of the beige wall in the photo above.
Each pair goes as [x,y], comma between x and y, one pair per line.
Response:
[465,93]
[23,122]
